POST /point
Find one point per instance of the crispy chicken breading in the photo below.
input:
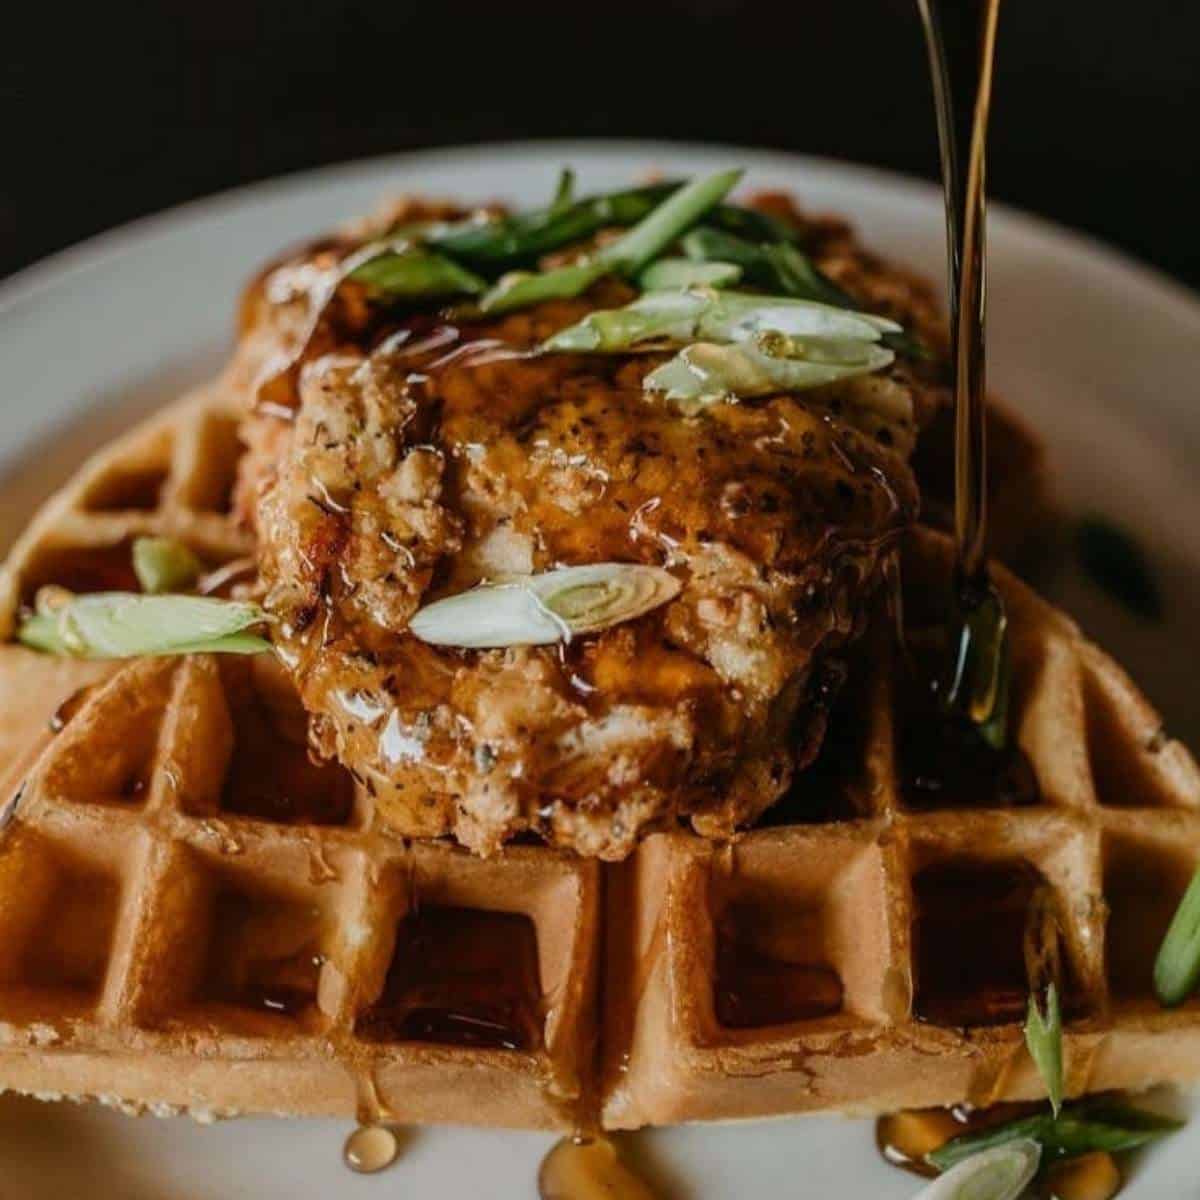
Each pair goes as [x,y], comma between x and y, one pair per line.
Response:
[402,461]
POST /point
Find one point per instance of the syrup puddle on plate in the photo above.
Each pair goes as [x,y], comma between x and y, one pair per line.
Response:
[588,1168]
[371,1149]
[905,1138]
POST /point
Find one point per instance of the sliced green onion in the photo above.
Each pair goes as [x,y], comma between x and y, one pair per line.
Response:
[778,266]
[1043,1036]
[235,643]
[412,273]
[654,233]
[683,273]
[714,316]
[656,317]
[705,244]
[520,289]
[538,610]
[164,565]
[1078,1129]
[736,316]
[754,224]
[801,278]
[40,632]
[127,625]
[628,254]
[999,1174]
[501,243]
[564,194]
[1177,969]
[782,268]
[705,373]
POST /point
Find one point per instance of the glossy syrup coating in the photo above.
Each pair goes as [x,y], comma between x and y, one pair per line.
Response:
[430,453]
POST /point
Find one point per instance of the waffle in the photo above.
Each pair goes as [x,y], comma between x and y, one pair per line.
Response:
[193,916]
[172,476]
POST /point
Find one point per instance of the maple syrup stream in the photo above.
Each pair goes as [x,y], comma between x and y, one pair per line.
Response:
[961,41]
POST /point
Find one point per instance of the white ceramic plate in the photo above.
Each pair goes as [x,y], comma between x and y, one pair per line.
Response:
[1102,354]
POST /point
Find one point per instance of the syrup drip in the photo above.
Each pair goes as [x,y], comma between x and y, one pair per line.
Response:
[371,1149]
[905,1138]
[1091,1177]
[588,1169]
[944,763]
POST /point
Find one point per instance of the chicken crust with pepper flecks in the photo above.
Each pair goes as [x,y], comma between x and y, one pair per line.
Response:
[396,459]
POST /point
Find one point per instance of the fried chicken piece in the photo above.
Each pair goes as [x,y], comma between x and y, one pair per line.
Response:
[395,461]
[425,455]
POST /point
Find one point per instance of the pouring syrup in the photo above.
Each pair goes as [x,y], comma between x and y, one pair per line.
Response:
[961,41]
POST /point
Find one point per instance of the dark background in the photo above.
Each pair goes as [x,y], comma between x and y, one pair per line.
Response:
[117,110]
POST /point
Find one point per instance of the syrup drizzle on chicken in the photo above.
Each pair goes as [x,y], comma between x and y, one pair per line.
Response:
[427,454]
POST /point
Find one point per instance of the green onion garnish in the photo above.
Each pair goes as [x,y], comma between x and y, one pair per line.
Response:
[499,244]
[164,565]
[753,224]
[654,233]
[683,273]
[538,610]
[127,625]
[627,255]
[682,317]
[777,266]
[705,373]
[1002,1173]
[520,289]
[1177,969]
[1043,1037]
[1078,1129]
[800,276]
[411,273]
[564,193]
[657,317]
